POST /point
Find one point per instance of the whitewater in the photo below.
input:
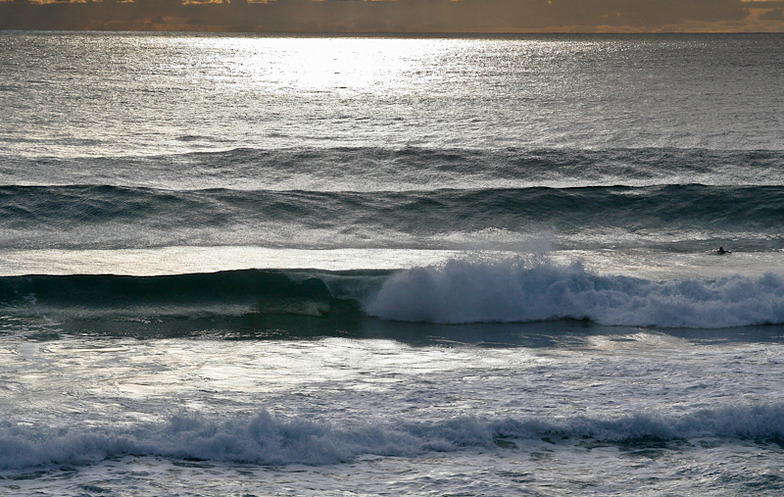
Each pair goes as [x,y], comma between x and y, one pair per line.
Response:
[268,265]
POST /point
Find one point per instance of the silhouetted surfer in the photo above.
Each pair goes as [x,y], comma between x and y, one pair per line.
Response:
[721,251]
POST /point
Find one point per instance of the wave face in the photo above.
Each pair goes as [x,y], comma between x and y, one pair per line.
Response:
[459,291]
[264,292]
[267,439]
[120,217]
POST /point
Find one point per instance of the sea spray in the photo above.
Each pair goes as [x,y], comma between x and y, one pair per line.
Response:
[519,290]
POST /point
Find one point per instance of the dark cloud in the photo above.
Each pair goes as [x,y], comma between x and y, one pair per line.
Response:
[397,15]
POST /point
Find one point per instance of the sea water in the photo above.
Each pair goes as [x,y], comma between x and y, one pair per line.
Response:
[249,265]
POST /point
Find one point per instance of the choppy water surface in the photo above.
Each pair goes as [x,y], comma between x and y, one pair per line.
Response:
[239,265]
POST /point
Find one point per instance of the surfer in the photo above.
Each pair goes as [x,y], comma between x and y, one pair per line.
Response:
[721,251]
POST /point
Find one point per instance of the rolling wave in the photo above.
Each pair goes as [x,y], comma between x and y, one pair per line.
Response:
[470,290]
[107,216]
[274,440]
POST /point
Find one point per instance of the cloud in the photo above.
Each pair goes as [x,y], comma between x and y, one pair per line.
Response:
[515,16]
[772,15]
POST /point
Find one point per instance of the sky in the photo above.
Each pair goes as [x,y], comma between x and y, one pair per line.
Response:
[398,16]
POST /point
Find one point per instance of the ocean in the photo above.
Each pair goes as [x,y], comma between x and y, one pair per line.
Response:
[241,265]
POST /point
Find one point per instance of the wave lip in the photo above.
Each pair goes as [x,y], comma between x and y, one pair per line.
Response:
[515,290]
[267,439]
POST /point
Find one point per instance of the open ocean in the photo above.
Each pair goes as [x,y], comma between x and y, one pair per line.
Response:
[485,266]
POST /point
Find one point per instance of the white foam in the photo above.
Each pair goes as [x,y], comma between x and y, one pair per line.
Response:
[267,439]
[521,290]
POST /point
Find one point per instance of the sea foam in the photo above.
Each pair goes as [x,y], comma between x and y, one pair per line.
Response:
[518,290]
[267,439]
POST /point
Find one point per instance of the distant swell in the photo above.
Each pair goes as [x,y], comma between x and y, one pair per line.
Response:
[388,169]
[268,439]
[722,206]
[81,216]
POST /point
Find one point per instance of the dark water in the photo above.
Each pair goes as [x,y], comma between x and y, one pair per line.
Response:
[649,198]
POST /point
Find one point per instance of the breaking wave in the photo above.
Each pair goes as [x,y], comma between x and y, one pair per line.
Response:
[267,439]
[469,290]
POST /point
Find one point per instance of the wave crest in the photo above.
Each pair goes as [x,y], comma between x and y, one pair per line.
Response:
[516,290]
[267,439]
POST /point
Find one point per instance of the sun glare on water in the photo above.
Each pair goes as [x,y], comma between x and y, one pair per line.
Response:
[314,65]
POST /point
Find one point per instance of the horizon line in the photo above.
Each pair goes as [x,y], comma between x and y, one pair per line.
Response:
[434,34]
